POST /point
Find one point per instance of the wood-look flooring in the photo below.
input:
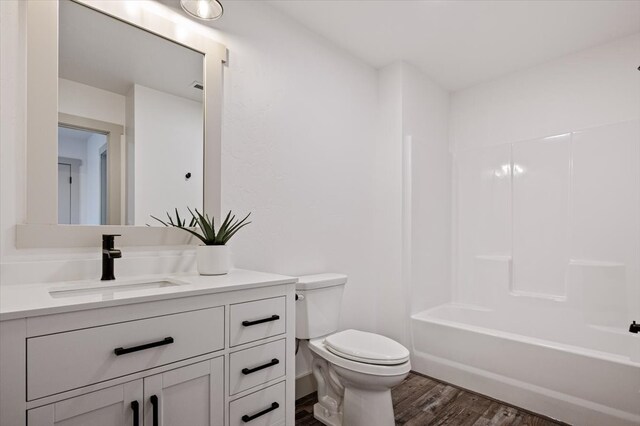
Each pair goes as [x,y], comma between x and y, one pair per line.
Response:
[420,400]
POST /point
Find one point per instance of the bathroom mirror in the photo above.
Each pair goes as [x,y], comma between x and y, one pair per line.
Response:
[131,120]
[124,105]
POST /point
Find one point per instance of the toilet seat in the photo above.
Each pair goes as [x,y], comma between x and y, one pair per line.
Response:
[369,348]
[319,347]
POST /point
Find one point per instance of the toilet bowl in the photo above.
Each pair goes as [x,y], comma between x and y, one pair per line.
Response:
[360,392]
[355,370]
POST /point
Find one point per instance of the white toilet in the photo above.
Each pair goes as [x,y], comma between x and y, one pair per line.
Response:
[355,370]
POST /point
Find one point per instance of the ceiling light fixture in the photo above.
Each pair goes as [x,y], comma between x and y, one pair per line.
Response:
[203,9]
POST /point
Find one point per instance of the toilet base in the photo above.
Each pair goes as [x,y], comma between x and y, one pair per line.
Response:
[368,407]
[325,416]
[361,408]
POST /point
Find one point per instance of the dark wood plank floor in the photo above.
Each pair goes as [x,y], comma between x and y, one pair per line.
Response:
[420,400]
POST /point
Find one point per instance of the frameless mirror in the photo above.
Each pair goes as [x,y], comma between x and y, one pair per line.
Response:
[130,122]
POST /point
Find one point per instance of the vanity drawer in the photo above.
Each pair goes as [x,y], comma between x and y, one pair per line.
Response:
[64,361]
[257,365]
[262,408]
[256,320]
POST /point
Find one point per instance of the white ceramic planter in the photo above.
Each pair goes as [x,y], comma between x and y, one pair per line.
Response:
[213,260]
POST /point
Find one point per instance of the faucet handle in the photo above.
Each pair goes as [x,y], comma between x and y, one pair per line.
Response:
[108,240]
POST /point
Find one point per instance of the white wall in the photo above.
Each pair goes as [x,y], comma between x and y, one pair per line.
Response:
[414,179]
[72,148]
[299,142]
[129,137]
[593,87]
[168,143]
[426,121]
[90,102]
[12,118]
[91,189]
[388,210]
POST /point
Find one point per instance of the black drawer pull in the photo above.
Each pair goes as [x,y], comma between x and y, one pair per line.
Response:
[274,406]
[122,351]
[260,321]
[136,412]
[274,361]
[154,408]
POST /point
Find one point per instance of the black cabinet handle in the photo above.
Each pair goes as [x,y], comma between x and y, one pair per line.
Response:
[154,405]
[136,408]
[274,361]
[260,321]
[246,418]
[122,351]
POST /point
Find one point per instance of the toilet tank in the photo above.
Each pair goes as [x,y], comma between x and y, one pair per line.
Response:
[318,305]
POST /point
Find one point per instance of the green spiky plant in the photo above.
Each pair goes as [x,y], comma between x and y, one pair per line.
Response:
[208,234]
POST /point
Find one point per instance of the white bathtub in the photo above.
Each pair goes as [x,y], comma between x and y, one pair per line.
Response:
[550,364]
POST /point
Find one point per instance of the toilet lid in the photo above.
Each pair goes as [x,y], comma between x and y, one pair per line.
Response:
[366,347]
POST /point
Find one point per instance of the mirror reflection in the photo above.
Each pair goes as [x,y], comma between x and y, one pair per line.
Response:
[131,122]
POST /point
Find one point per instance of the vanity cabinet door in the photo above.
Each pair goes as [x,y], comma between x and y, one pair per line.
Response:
[115,406]
[191,395]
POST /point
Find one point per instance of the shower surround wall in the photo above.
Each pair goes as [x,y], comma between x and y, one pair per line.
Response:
[554,219]
[547,172]
[546,236]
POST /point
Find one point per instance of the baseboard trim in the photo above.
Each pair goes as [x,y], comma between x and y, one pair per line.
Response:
[305,385]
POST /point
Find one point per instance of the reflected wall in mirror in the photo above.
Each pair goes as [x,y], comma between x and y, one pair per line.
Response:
[131,120]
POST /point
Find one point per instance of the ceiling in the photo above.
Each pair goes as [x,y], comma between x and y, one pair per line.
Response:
[461,43]
[74,135]
[103,52]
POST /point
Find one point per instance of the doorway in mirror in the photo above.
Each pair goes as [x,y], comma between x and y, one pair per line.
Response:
[82,176]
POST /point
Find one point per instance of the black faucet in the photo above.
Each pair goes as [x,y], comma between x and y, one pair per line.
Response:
[634,328]
[108,254]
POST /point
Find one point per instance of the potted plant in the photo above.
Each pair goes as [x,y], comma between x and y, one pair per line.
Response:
[212,256]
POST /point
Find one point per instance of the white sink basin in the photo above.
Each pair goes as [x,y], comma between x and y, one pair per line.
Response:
[107,288]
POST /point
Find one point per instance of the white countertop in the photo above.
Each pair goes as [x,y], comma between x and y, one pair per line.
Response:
[29,300]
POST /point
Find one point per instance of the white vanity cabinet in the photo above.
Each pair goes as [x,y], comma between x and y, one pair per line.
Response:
[190,395]
[206,355]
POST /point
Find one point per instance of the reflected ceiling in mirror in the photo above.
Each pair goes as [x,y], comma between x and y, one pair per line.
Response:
[131,122]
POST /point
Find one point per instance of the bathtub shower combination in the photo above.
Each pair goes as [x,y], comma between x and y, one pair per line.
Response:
[546,277]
